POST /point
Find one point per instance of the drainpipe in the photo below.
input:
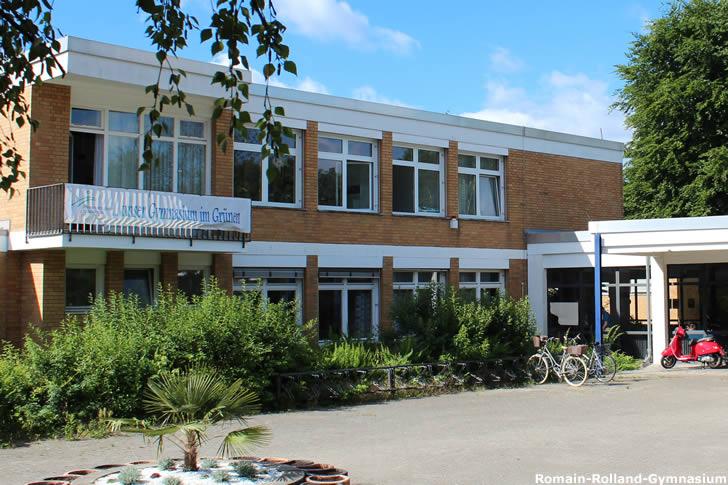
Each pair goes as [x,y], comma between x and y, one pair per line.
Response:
[597,288]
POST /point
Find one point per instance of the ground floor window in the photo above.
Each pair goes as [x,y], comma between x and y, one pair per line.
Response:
[407,282]
[480,285]
[80,289]
[275,285]
[191,282]
[348,304]
[140,283]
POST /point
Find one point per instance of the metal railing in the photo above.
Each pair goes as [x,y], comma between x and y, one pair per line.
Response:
[317,387]
[44,217]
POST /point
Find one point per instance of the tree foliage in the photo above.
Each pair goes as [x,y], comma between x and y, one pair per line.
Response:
[675,98]
[29,47]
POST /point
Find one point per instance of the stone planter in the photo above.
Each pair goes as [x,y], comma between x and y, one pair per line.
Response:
[328,480]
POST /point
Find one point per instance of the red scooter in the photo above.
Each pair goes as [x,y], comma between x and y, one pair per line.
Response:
[705,350]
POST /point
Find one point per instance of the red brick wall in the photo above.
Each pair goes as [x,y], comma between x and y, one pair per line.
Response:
[114,272]
[10,328]
[386,283]
[222,269]
[453,276]
[310,289]
[451,179]
[42,288]
[517,278]
[222,159]
[168,271]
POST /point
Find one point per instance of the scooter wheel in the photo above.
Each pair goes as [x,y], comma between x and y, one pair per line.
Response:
[668,362]
[717,362]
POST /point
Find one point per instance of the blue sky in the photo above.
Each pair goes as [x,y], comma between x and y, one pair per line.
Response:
[543,64]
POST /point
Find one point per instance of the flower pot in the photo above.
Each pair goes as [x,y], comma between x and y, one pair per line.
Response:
[324,470]
[142,462]
[274,460]
[109,465]
[328,480]
[49,482]
[80,472]
[62,478]
[301,463]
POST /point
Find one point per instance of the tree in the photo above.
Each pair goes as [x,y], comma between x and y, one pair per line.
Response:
[675,98]
[181,406]
[29,46]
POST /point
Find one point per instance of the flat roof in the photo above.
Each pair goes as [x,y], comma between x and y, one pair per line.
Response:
[657,225]
[100,60]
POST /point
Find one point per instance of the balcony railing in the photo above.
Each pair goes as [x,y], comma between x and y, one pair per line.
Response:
[105,211]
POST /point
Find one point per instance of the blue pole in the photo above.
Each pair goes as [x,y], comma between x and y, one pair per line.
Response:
[597,288]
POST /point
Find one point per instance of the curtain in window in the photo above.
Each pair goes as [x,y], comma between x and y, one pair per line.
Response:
[191,168]
[159,176]
[466,191]
[247,174]
[282,179]
[428,190]
[489,205]
[123,162]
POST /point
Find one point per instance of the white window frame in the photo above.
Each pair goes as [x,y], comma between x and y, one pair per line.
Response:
[344,286]
[99,287]
[296,152]
[417,166]
[176,139]
[265,286]
[343,157]
[439,277]
[477,171]
[478,285]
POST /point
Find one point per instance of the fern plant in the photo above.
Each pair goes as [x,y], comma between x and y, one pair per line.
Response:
[181,406]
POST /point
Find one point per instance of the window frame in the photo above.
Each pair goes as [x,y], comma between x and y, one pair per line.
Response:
[296,152]
[415,285]
[99,287]
[344,286]
[206,271]
[106,132]
[417,166]
[344,157]
[479,285]
[477,172]
[265,286]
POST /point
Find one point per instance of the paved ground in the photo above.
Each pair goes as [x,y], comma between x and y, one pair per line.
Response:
[664,422]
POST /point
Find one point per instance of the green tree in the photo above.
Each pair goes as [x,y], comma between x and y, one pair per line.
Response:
[29,44]
[675,98]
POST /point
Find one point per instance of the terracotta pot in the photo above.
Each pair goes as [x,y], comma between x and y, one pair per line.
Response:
[109,465]
[321,469]
[275,460]
[62,478]
[142,462]
[49,482]
[301,463]
[245,458]
[80,472]
[328,480]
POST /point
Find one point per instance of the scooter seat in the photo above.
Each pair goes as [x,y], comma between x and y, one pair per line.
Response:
[707,339]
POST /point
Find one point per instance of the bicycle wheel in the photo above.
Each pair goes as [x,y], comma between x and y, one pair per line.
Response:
[538,368]
[606,368]
[574,370]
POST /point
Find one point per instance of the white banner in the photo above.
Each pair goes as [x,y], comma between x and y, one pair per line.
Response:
[89,204]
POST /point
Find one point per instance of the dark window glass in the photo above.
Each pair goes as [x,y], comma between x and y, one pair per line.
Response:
[360,313]
[191,129]
[404,276]
[125,122]
[167,123]
[139,282]
[428,156]
[357,185]
[489,277]
[403,189]
[247,175]
[191,282]
[330,145]
[361,148]
[329,182]
[82,163]
[80,287]
[282,179]
[403,153]
[250,136]
[159,175]
[466,277]
[86,117]
[489,163]
[466,161]
[329,314]
[281,296]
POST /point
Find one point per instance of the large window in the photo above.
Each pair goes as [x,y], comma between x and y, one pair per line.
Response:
[81,288]
[347,174]
[267,181]
[409,281]
[180,152]
[480,186]
[139,282]
[276,285]
[348,303]
[417,181]
[191,281]
[480,285]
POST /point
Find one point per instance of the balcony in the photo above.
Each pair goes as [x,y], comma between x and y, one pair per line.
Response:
[89,210]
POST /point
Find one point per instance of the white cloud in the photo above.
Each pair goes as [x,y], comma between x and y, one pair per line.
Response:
[501,60]
[304,84]
[368,93]
[568,103]
[335,20]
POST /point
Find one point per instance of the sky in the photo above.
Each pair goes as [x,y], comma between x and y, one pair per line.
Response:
[548,65]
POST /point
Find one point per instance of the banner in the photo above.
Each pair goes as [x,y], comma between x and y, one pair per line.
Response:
[89,204]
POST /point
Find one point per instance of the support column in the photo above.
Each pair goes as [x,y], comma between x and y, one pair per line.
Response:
[386,295]
[310,167]
[222,157]
[385,173]
[43,288]
[222,270]
[453,276]
[10,325]
[537,292]
[516,278]
[597,288]
[451,178]
[658,306]
[310,290]
[114,272]
[168,271]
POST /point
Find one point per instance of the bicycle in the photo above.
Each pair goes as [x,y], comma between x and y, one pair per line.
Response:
[601,365]
[570,367]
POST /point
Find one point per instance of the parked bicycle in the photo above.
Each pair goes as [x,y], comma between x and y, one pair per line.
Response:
[569,366]
[601,364]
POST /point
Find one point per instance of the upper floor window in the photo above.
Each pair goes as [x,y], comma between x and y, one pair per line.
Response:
[347,173]
[480,186]
[106,149]
[417,180]
[479,285]
[267,181]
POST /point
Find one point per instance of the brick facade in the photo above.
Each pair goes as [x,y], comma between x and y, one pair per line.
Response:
[310,289]
[168,271]
[114,272]
[222,269]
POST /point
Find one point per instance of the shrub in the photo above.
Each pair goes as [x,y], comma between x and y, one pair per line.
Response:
[172,481]
[626,362]
[245,469]
[220,476]
[166,464]
[129,475]
[347,354]
[60,380]
[208,464]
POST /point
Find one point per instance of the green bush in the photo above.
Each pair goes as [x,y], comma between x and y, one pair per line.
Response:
[347,354]
[62,379]
[626,362]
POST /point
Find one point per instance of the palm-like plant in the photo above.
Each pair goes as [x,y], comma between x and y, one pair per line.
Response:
[181,406]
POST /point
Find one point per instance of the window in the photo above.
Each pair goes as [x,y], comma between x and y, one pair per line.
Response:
[348,304]
[140,282]
[80,289]
[347,174]
[410,281]
[191,282]
[417,181]
[276,285]
[110,152]
[479,285]
[480,186]
[267,181]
